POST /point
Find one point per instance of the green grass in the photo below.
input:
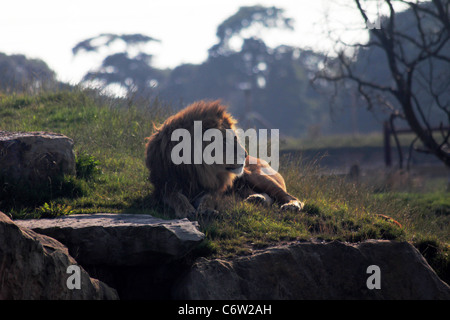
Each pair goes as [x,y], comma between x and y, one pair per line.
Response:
[109,141]
[374,139]
[109,133]
[427,215]
[339,141]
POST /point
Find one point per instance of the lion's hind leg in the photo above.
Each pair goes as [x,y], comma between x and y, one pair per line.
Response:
[274,187]
[260,199]
[292,205]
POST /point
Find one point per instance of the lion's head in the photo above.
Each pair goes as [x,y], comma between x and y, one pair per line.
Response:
[184,154]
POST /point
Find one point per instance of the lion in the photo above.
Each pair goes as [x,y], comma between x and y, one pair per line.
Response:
[191,188]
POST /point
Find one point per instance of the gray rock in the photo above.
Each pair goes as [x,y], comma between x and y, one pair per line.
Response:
[316,271]
[120,239]
[34,266]
[32,157]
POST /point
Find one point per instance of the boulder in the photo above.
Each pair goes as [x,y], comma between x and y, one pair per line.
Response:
[139,255]
[148,258]
[34,266]
[120,239]
[317,271]
[33,157]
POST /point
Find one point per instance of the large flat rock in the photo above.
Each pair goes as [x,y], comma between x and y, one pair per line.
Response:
[120,239]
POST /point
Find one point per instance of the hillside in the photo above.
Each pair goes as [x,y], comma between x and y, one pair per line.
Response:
[109,136]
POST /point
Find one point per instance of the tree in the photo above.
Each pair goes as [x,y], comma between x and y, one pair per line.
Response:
[411,79]
[265,87]
[134,73]
[244,18]
[18,73]
[254,53]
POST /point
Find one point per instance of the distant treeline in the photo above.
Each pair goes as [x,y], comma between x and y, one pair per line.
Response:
[264,87]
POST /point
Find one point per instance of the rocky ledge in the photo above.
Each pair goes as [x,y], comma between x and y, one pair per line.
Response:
[375,269]
[34,266]
[143,257]
[139,255]
[120,239]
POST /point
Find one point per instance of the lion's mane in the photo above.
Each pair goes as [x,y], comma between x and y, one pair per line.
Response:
[190,179]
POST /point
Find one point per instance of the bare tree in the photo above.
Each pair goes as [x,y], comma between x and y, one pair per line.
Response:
[412,77]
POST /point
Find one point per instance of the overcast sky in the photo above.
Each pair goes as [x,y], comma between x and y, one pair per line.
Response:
[48,29]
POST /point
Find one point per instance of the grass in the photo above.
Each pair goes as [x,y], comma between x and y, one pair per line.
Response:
[109,139]
[374,139]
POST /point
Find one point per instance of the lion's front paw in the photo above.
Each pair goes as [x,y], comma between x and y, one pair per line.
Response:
[293,205]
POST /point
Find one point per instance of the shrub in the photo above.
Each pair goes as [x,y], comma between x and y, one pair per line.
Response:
[87,166]
[53,210]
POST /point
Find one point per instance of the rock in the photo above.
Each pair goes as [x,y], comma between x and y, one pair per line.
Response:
[120,239]
[139,255]
[317,271]
[148,258]
[33,157]
[34,266]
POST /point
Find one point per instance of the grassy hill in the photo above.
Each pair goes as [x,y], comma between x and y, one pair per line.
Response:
[109,136]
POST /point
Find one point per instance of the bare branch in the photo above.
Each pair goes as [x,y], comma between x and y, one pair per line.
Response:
[412,61]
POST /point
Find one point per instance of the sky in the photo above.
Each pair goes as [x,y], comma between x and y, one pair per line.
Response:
[49,29]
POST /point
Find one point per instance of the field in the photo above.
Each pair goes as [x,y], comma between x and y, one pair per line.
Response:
[109,136]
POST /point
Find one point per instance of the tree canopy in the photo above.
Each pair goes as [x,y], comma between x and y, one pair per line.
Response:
[19,73]
[269,85]
[132,72]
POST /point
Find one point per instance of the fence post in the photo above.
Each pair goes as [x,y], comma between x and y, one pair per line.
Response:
[387,143]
